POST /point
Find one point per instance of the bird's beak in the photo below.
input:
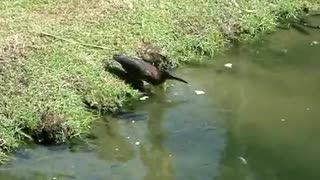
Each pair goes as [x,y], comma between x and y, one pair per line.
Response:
[177,78]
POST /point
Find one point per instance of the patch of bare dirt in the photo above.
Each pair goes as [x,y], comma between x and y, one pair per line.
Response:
[152,52]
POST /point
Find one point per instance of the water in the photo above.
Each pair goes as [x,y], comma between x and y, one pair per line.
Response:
[258,120]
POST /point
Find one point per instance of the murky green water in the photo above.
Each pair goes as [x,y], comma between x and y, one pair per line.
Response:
[258,120]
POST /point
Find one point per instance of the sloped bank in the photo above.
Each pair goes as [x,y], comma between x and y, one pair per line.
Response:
[45,81]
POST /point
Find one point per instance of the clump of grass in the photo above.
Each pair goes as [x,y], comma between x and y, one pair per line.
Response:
[49,80]
[43,75]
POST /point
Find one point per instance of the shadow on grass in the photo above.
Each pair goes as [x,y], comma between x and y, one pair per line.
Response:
[124,76]
[135,84]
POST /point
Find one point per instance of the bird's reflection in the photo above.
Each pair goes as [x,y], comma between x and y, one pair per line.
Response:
[156,158]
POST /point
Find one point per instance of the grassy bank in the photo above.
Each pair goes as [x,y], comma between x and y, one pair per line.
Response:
[44,80]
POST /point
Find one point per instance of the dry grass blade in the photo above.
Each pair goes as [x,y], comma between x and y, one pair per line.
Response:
[72,41]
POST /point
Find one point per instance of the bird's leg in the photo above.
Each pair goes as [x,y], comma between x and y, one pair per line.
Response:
[164,86]
[137,84]
[161,88]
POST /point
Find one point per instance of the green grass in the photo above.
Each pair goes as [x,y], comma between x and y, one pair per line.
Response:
[41,74]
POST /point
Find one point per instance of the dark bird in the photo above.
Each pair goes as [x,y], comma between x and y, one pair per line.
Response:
[142,70]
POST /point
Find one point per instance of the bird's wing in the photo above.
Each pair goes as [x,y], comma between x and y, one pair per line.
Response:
[133,66]
[137,67]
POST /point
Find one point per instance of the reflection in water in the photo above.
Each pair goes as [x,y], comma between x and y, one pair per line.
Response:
[264,109]
[115,146]
[157,158]
[277,129]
